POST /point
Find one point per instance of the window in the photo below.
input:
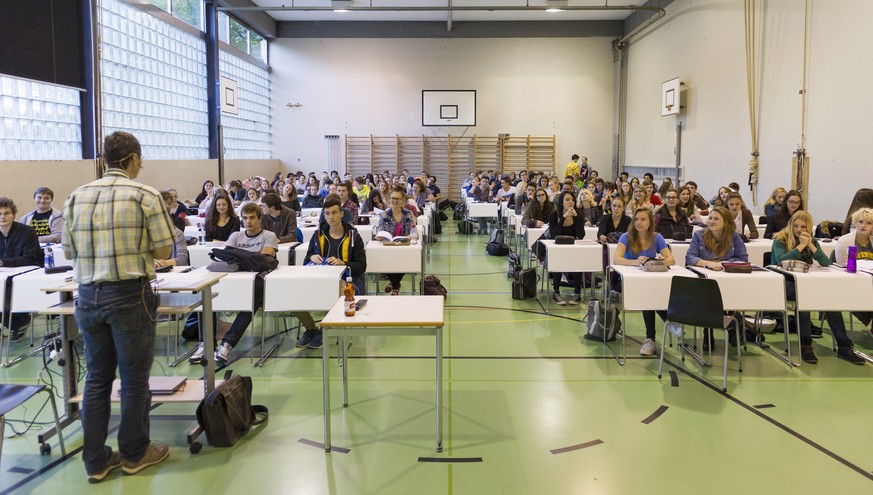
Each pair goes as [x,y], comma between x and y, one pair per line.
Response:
[190,11]
[38,121]
[242,38]
[239,36]
[247,135]
[222,27]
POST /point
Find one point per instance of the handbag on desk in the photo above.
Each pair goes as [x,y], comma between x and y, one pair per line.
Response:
[655,265]
[564,239]
[737,266]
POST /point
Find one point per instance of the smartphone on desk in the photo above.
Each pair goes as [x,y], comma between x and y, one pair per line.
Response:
[360,303]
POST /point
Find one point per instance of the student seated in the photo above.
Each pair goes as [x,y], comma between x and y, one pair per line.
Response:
[616,221]
[288,197]
[312,198]
[742,217]
[278,218]
[397,221]
[349,201]
[775,202]
[221,220]
[638,245]
[336,243]
[19,247]
[688,207]
[586,205]
[46,220]
[718,243]
[796,242]
[862,222]
[254,238]
[779,220]
[179,252]
[670,218]
[566,220]
[524,199]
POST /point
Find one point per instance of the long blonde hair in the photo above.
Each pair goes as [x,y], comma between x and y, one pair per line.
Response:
[634,239]
[786,236]
[772,200]
[719,246]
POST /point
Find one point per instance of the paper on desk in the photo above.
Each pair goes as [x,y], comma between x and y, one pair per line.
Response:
[191,279]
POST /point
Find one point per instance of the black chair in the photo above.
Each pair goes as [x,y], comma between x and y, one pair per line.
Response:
[12,396]
[697,302]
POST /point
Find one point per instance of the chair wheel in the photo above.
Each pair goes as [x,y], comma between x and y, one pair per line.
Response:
[195,447]
[45,449]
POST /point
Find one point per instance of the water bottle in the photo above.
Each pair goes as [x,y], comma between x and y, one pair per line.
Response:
[852,262]
[49,256]
[200,237]
[413,235]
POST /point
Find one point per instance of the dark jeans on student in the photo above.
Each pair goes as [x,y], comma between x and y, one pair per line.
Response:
[649,321]
[575,278]
[117,320]
[395,279]
[834,319]
[244,318]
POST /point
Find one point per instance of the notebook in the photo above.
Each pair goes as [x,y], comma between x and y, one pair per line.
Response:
[166,385]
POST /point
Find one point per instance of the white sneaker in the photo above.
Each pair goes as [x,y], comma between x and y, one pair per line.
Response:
[676,329]
[648,348]
[223,352]
[197,357]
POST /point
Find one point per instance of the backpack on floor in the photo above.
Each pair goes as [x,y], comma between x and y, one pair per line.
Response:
[514,265]
[497,249]
[459,212]
[465,227]
[433,287]
[524,284]
[600,322]
[497,236]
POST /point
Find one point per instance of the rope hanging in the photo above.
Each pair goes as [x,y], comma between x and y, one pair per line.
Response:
[750,9]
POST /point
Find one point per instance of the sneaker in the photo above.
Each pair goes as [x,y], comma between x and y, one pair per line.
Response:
[576,299]
[808,355]
[197,357]
[316,341]
[113,463]
[156,453]
[17,335]
[558,299]
[648,348]
[223,352]
[306,338]
[815,332]
[676,329]
[848,353]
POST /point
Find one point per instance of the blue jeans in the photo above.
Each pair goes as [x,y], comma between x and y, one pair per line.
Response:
[117,321]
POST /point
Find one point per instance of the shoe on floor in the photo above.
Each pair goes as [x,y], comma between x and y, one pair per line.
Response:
[222,353]
[18,335]
[112,464]
[316,341]
[807,355]
[676,329]
[648,348]
[848,353]
[575,300]
[306,338]
[388,287]
[155,453]
[815,332]
[197,357]
[558,299]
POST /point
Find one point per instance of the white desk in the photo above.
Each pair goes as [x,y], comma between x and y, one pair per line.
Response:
[395,259]
[582,256]
[385,316]
[643,291]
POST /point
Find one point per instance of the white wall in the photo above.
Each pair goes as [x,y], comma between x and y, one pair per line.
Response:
[556,86]
[702,42]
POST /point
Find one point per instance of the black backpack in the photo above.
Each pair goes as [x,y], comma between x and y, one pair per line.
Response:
[248,261]
[460,211]
[465,227]
[496,248]
[524,284]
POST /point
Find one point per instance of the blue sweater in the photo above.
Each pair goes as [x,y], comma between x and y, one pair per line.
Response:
[697,251]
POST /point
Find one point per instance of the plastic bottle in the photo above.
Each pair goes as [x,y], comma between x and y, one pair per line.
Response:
[49,256]
[349,293]
[200,236]
[413,235]
[852,262]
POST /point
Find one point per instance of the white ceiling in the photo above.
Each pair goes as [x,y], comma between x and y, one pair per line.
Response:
[299,14]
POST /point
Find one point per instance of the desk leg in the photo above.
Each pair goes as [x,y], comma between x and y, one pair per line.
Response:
[345,366]
[439,389]
[208,342]
[325,385]
[69,333]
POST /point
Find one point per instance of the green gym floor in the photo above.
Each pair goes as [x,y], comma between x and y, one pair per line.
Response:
[530,408]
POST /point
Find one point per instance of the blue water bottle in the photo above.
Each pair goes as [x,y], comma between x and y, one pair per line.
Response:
[49,256]
[852,262]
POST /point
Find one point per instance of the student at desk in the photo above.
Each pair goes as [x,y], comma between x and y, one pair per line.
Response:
[336,243]
[221,220]
[566,220]
[779,220]
[639,244]
[617,221]
[796,242]
[862,221]
[397,221]
[19,246]
[179,252]
[718,243]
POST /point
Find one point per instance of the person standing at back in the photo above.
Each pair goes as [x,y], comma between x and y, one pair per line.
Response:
[114,230]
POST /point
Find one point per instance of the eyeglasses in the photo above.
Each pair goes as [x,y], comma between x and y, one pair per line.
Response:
[395,198]
[793,202]
[672,197]
[6,213]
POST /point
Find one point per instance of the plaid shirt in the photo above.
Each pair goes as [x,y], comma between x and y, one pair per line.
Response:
[112,226]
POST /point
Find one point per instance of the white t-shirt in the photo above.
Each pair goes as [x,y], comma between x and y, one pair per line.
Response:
[255,244]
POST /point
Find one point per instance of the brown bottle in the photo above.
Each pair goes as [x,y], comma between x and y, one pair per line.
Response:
[349,293]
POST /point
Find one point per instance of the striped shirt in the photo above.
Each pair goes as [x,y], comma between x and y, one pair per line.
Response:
[112,226]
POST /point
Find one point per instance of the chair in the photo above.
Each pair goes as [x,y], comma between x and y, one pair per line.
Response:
[12,396]
[697,302]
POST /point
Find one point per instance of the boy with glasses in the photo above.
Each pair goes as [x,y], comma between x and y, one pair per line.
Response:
[19,246]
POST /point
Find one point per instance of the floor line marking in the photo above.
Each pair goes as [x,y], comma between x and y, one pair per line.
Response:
[450,459]
[655,415]
[580,446]
[333,448]
[674,379]
[764,406]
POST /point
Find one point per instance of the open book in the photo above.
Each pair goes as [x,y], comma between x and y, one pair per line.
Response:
[388,239]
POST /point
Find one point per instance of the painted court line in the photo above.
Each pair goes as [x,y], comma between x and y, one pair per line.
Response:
[764,406]
[333,448]
[450,459]
[580,446]
[674,378]
[655,415]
